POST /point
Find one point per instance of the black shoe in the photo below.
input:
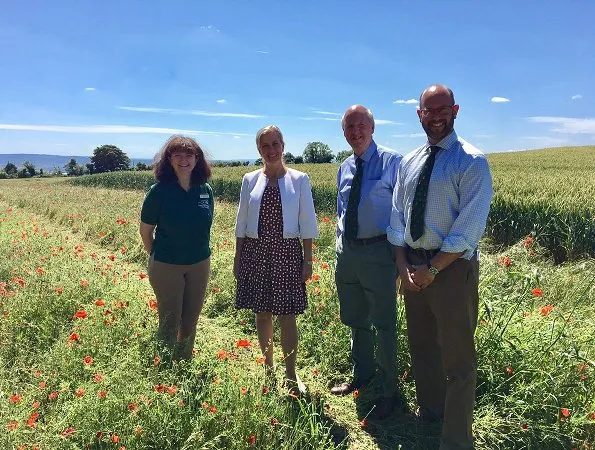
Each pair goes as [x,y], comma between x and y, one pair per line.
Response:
[386,405]
[348,387]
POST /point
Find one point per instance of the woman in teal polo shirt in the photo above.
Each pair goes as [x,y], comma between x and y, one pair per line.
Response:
[175,227]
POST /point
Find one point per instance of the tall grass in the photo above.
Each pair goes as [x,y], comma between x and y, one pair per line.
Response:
[546,193]
[536,386]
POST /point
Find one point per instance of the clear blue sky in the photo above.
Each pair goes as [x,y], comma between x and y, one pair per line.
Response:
[78,74]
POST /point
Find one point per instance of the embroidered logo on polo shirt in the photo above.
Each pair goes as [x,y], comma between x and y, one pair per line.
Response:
[203,203]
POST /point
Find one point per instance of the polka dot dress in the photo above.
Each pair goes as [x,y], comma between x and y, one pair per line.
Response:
[270,278]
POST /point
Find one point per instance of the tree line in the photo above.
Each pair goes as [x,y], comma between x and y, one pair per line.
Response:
[109,158]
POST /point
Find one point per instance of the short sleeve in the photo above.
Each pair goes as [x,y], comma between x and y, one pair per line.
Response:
[151,206]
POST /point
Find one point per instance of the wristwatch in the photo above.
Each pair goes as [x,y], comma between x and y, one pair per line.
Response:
[433,270]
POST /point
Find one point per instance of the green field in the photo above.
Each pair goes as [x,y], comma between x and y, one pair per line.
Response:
[68,246]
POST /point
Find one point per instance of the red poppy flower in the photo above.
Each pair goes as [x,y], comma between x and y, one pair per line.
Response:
[364,423]
[172,389]
[546,310]
[98,378]
[222,354]
[53,395]
[212,410]
[19,281]
[40,271]
[243,390]
[265,390]
[88,360]
[326,219]
[243,343]
[506,261]
[152,304]
[156,360]
[115,438]
[81,314]
[32,420]
[356,393]
[142,276]
[74,336]
[537,292]
[59,290]
[12,425]
[15,398]
[102,394]
[84,283]
[42,384]
[565,412]
[79,392]
[68,431]
[252,440]
[274,422]
[132,406]
[509,370]
[99,302]
[112,257]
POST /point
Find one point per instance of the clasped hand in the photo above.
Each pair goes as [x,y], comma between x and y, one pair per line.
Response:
[416,278]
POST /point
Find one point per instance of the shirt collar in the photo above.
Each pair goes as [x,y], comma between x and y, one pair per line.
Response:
[446,142]
[369,152]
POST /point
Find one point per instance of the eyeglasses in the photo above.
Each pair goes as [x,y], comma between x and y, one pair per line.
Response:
[442,111]
[187,154]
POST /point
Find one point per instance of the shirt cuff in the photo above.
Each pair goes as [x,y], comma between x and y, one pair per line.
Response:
[395,237]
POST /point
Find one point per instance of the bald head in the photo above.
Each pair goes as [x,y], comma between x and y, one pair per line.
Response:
[358,128]
[436,89]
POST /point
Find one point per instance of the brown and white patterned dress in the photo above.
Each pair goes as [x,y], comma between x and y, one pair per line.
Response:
[270,278]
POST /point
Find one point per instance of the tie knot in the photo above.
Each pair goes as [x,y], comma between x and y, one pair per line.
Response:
[434,149]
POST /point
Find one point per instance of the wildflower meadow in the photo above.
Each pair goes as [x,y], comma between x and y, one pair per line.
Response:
[79,368]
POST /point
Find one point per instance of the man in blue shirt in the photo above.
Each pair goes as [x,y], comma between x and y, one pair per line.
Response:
[366,271]
[440,208]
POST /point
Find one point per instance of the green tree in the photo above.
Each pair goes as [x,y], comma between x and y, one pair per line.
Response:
[23,173]
[141,166]
[73,169]
[109,158]
[298,160]
[258,162]
[10,169]
[318,152]
[343,155]
[30,168]
[289,158]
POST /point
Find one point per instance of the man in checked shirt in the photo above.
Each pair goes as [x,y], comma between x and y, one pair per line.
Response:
[440,208]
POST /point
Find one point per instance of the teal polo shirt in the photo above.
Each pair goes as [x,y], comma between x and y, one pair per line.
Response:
[183,221]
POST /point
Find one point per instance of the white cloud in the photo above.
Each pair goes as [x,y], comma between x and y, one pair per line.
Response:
[89,89]
[410,135]
[237,137]
[331,119]
[262,52]
[411,101]
[499,100]
[221,101]
[109,129]
[385,122]
[327,113]
[569,125]
[188,112]
[210,28]
[576,97]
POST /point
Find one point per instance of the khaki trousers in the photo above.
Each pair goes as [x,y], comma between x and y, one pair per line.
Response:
[180,292]
[441,321]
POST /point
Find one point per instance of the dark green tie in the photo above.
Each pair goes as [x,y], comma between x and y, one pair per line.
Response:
[352,205]
[418,208]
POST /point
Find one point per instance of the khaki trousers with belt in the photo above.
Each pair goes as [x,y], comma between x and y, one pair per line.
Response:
[366,285]
[441,321]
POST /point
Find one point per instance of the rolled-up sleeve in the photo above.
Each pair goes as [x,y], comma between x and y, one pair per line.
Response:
[475,199]
[396,228]
[242,215]
[308,225]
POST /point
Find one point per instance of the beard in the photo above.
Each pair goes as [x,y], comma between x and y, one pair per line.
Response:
[438,133]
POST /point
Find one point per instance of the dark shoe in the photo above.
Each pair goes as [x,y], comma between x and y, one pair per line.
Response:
[425,415]
[348,387]
[386,405]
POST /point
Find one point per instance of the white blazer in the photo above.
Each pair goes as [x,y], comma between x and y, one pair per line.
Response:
[299,217]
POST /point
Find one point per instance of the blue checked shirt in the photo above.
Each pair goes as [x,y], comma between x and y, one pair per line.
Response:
[378,182]
[458,203]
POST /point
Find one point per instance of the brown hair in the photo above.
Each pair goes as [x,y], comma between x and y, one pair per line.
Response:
[162,165]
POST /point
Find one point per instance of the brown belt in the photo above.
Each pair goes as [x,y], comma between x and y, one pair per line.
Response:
[423,253]
[369,241]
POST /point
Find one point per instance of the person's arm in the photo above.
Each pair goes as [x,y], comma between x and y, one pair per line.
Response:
[406,270]
[307,265]
[236,258]
[146,233]
[241,224]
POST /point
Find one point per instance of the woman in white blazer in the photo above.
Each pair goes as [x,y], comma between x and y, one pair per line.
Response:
[276,211]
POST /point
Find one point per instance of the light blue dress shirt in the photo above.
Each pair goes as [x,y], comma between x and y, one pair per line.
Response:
[378,182]
[458,203]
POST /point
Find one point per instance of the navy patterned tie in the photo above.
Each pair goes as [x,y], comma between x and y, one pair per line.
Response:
[354,195]
[418,208]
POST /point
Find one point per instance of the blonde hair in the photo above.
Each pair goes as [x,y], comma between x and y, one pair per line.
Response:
[266,130]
